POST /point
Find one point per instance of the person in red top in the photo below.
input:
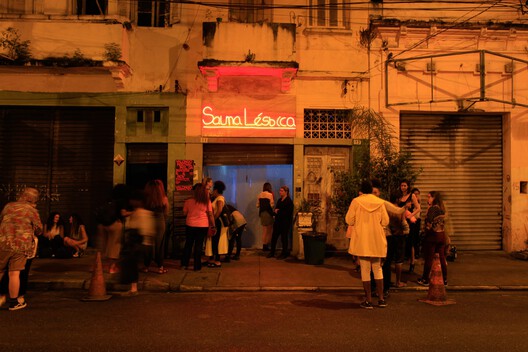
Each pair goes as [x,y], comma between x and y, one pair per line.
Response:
[19,223]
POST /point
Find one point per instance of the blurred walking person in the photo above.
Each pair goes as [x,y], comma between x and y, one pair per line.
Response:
[140,230]
[198,213]
[19,223]
[368,215]
[156,201]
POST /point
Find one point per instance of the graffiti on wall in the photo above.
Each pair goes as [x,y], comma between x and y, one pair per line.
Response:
[11,191]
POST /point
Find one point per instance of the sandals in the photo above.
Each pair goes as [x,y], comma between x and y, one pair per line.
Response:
[162,270]
[214,265]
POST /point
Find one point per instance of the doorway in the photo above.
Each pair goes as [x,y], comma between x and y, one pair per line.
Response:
[243,184]
[145,162]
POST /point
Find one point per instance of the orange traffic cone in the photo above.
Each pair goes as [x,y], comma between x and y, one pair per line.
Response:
[97,291]
[437,293]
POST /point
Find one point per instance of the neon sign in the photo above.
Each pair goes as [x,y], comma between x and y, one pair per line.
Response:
[245,121]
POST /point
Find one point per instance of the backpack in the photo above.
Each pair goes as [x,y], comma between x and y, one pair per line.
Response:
[225,216]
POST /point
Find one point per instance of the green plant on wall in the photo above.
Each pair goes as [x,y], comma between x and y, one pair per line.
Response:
[112,52]
[375,156]
[16,51]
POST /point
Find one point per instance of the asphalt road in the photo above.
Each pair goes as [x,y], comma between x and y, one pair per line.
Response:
[274,321]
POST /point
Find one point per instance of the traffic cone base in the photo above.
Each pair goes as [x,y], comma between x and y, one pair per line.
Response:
[97,291]
[437,294]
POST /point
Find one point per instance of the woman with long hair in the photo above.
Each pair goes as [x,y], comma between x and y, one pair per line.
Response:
[412,213]
[435,237]
[265,204]
[198,213]
[52,237]
[156,201]
[77,239]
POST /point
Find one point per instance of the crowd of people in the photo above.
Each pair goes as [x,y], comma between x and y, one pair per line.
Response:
[133,225]
[385,233]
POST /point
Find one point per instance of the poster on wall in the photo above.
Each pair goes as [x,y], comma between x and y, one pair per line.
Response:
[184,174]
[228,115]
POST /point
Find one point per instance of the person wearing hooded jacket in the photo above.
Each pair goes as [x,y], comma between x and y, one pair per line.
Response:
[369,217]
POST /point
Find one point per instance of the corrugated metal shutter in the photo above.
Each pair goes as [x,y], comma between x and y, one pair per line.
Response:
[461,156]
[147,153]
[67,153]
[247,154]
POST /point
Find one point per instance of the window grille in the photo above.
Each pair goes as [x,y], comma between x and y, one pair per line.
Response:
[329,14]
[250,11]
[327,124]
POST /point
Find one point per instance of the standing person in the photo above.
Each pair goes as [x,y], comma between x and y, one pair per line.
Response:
[219,242]
[52,237]
[238,224]
[156,201]
[19,223]
[417,241]
[77,238]
[398,229]
[435,237]
[265,204]
[198,213]
[368,215]
[140,229]
[410,202]
[283,223]
[208,184]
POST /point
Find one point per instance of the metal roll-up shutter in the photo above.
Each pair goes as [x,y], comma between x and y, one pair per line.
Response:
[247,154]
[461,156]
[82,160]
[67,153]
[25,141]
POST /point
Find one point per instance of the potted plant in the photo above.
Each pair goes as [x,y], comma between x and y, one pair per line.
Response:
[305,214]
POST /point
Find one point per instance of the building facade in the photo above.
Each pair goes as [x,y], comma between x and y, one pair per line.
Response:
[94,93]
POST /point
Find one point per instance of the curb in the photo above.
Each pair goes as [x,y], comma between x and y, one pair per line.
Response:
[46,285]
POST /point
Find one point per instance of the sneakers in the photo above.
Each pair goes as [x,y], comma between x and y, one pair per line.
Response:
[422,282]
[382,303]
[366,305]
[16,305]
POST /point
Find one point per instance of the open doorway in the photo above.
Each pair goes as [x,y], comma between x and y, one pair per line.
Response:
[243,184]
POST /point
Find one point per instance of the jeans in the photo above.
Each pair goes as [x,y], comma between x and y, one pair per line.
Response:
[434,242]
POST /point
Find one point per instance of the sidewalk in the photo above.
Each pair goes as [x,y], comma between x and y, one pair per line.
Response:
[489,270]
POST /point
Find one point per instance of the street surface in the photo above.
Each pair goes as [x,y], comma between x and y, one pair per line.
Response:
[266,321]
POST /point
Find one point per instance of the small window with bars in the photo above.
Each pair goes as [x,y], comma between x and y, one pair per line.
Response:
[327,124]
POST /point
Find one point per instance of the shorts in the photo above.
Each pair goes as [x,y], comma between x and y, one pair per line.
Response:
[15,260]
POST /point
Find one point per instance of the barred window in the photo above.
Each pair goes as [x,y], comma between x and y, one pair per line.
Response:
[327,124]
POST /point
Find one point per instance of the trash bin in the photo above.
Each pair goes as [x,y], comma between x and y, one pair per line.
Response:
[314,247]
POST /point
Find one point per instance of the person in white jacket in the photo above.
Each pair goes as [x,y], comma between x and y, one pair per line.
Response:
[368,216]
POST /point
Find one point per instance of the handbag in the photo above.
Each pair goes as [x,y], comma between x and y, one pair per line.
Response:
[34,247]
[350,231]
